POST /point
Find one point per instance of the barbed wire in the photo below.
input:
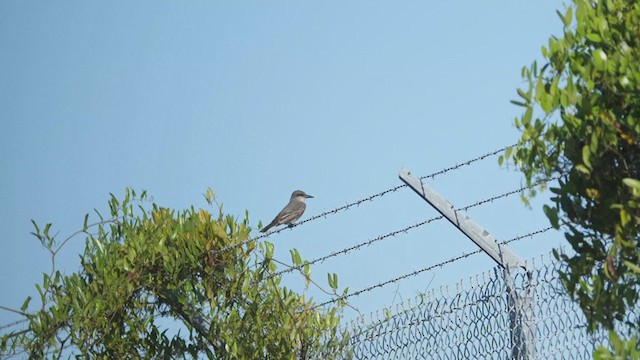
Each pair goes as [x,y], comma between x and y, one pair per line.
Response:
[393,189]
[466,163]
[17,322]
[362,200]
[403,230]
[428,268]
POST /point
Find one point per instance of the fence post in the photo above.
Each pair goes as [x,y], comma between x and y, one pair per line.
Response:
[520,302]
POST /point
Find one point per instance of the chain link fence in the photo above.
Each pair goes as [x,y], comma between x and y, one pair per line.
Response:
[476,321]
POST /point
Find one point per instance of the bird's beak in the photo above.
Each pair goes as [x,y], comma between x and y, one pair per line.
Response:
[308,196]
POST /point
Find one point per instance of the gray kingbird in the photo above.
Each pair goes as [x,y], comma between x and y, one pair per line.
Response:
[292,212]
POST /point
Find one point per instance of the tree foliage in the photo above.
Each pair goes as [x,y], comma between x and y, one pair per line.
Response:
[581,123]
[159,283]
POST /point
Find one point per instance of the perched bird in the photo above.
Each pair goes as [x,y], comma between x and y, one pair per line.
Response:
[291,212]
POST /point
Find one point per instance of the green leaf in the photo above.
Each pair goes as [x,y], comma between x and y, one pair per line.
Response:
[632,183]
[600,58]
[99,215]
[36,226]
[295,257]
[586,156]
[615,341]
[269,249]
[560,15]
[86,219]
[46,230]
[583,169]
[602,353]
[635,268]
[625,217]
[306,270]
[25,304]
[552,214]
[518,103]
[41,293]
[593,145]
[594,37]
[541,94]
[568,16]
[524,95]
[508,151]
[528,114]
[500,160]
[387,314]
[332,281]
[209,195]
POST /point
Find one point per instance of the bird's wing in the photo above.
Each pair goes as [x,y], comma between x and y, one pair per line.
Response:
[291,212]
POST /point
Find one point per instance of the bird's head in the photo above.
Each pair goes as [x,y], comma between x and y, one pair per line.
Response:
[300,195]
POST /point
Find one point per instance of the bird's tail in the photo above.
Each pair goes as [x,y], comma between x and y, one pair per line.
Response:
[266,228]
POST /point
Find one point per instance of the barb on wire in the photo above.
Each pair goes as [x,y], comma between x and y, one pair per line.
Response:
[360,201]
[404,230]
[428,268]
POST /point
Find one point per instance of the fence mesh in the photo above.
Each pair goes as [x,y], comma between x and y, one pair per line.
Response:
[475,322]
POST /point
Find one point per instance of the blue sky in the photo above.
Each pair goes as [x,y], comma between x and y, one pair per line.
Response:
[257,100]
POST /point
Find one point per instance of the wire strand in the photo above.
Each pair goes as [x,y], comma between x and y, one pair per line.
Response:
[17,322]
[428,268]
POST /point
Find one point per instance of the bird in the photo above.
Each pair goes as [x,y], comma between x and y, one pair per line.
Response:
[292,212]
